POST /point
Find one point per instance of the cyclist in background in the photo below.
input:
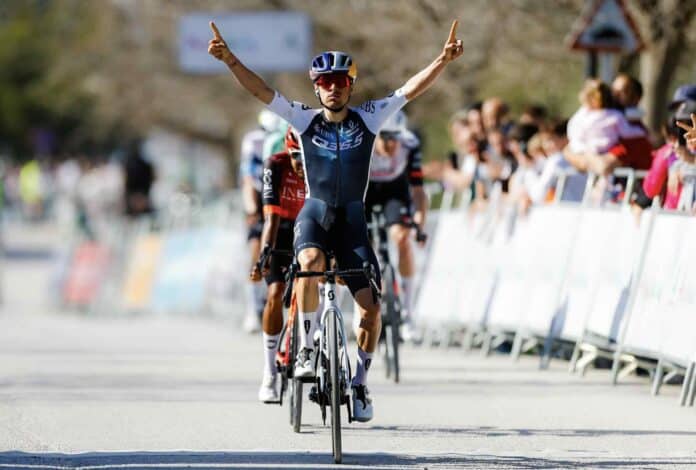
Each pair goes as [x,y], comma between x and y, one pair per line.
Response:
[275,141]
[337,144]
[283,197]
[396,184]
[250,173]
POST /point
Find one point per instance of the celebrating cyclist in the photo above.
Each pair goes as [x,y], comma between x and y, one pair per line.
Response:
[337,143]
[396,184]
[283,197]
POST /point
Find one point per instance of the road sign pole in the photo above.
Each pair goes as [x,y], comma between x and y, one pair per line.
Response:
[591,65]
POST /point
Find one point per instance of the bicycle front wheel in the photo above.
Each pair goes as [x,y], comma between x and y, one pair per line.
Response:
[335,386]
[296,387]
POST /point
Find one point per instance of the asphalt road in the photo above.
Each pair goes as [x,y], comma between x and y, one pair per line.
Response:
[157,392]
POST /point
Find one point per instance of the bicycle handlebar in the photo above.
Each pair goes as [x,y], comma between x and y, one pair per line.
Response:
[267,252]
[421,236]
[367,270]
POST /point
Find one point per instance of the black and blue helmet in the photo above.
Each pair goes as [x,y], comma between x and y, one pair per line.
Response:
[333,62]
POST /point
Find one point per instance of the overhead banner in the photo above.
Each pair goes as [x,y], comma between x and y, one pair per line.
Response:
[263,41]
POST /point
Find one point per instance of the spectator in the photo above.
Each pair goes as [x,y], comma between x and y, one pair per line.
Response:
[655,181]
[596,133]
[526,175]
[683,171]
[681,94]
[690,130]
[498,151]
[474,120]
[633,151]
[595,128]
[535,114]
[139,177]
[458,171]
[495,116]
[575,183]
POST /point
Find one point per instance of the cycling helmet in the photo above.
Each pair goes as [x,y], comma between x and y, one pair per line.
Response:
[397,123]
[333,62]
[269,121]
[292,141]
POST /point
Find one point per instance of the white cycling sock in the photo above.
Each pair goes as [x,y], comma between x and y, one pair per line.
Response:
[406,296]
[270,346]
[363,365]
[306,329]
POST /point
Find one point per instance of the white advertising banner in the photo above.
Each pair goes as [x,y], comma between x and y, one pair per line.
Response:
[263,41]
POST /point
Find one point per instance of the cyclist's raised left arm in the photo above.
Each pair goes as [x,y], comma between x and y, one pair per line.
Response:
[421,81]
[375,113]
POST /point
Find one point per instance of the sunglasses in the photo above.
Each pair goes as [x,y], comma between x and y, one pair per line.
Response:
[387,135]
[296,155]
[339,80]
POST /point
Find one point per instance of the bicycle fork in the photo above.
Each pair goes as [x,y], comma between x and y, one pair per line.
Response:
[331,308]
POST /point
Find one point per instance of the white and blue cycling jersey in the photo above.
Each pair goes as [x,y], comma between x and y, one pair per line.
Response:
[251,158]
[337,155]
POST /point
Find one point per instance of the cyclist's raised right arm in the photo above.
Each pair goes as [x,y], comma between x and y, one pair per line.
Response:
[248,79]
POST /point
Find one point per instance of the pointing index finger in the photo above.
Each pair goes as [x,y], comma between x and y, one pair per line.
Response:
[216,32]
[683,126]
[453,32]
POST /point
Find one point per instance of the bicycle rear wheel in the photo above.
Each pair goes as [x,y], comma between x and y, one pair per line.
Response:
[391,328]
[296,385]
[335,387]
[392,339]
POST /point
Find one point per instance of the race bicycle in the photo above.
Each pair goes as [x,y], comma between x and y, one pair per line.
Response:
[287,349]
[391,304]
[333,372]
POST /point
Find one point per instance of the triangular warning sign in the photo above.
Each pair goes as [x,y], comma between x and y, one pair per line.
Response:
[606,26]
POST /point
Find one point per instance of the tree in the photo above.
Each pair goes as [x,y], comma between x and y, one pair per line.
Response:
[666,24]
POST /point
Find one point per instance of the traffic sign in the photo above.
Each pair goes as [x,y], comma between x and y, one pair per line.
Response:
[606,26]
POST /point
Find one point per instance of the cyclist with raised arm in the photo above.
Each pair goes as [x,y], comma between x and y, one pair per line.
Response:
[337,143]
[283,197]
[396,184]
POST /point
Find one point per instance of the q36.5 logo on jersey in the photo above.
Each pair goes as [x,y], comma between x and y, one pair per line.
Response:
[346,142]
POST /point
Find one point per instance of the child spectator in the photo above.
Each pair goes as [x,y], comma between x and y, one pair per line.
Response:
[595,127]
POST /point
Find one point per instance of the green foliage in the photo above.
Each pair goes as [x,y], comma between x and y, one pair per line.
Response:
[32,37]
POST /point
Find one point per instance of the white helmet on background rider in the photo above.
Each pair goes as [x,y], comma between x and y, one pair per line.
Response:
[269,121]
[396,124]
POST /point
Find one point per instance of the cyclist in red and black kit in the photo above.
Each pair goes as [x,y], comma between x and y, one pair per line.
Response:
[283,196]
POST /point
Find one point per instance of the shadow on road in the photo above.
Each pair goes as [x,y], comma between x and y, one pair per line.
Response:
[491,431]
[309,460]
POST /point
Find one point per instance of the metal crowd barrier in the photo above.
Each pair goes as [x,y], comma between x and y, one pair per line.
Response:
[600,281]
[184,261]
